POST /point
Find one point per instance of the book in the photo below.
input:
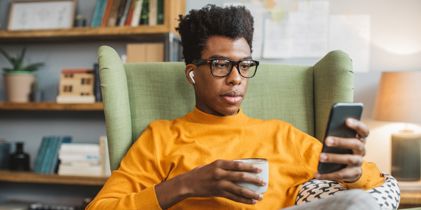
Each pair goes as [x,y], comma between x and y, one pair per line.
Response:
[125,13]
[80,170]
[97,83]
[136,13]
[4,154]
[107,13]
[40,155]
[160,13]
[48,151]
[79,148]
[54,157]
[153,12]
[75,99]
[80,160]
[130,13]
[120,11]
[98,13]
[112,19]
[144,14]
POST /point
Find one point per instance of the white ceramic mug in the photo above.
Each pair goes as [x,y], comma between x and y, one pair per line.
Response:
[263,165]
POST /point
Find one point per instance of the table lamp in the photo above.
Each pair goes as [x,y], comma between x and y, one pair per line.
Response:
[399,100]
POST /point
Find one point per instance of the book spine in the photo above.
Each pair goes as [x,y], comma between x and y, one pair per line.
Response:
[79,148]
[130,14]
[54,147]
[40,155]
[50,141]
[136,13]
[97,83]
[153,12]
[160,12]
[144,15]
[54,159]
[125,13]
[120,13]
[107,12]
[98,13]
[51,159]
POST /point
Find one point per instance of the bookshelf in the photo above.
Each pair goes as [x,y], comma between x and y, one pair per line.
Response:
[172,8]
[80,34]
[29,177]
[28,122]
[50,106]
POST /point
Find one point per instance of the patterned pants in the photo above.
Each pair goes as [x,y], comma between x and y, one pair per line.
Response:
[344,200]
[387,195]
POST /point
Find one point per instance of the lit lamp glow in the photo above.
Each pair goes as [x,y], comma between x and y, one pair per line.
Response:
[399,100]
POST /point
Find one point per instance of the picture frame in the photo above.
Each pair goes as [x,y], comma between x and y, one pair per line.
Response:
[41,14]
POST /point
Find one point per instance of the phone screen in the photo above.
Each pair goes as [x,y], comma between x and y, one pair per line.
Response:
[336,127]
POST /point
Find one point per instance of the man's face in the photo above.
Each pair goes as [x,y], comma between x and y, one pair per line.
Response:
[221,95]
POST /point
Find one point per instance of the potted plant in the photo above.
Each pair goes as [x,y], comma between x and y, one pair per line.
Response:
[18,79]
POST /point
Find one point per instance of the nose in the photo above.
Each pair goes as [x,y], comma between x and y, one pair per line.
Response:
[234,78]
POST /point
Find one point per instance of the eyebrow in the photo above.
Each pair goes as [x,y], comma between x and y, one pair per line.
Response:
[224,57]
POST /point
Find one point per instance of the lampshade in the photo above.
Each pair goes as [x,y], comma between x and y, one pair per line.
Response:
[399,97]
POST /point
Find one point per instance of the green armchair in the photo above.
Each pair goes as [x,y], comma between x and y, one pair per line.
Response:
[136,94]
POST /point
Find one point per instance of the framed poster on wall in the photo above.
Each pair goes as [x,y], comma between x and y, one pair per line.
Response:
[41,14]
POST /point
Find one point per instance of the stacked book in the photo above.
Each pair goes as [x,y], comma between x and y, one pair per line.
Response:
[128,13]
[82,159]
[46,161]
[79,159]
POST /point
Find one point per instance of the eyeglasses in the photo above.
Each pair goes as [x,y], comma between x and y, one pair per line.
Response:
[223,67]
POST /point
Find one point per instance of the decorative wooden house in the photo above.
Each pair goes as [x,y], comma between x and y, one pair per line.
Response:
[76,86]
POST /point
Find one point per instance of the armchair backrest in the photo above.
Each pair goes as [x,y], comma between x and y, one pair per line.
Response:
[136,94]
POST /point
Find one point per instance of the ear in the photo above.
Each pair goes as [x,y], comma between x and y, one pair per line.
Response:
[190,68]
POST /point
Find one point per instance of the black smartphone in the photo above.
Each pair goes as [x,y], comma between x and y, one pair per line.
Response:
[336,127]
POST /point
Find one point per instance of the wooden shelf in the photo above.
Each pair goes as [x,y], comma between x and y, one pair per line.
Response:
[172,9]
[28,177]
[86,33]
[51,106]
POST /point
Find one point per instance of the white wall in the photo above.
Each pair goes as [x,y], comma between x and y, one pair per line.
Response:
[396,45]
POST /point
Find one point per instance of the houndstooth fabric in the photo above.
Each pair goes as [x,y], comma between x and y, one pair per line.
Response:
[386,195]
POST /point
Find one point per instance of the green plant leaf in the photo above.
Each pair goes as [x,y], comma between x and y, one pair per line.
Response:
[32,67]
[7,70]
[15,63]
[22,54]
[6,55]
[18,62]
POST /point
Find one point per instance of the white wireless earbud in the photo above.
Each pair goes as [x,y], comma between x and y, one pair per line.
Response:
[191,74]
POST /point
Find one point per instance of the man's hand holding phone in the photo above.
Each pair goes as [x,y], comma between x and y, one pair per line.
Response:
[343,151]
[353,161]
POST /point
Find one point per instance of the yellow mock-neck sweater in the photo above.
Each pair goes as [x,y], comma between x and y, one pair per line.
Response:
[168,148]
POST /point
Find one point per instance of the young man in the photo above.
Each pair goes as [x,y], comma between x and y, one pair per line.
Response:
[187,163]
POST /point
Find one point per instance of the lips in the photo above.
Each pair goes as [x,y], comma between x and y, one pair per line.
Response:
[232,97]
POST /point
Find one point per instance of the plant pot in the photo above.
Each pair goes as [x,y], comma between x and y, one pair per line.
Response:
[18,86]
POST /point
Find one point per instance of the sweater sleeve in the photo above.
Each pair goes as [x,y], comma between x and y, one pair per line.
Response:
[370,178]
[310,149]
[132,185]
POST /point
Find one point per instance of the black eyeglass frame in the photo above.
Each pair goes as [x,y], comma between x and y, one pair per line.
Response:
[200,62]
